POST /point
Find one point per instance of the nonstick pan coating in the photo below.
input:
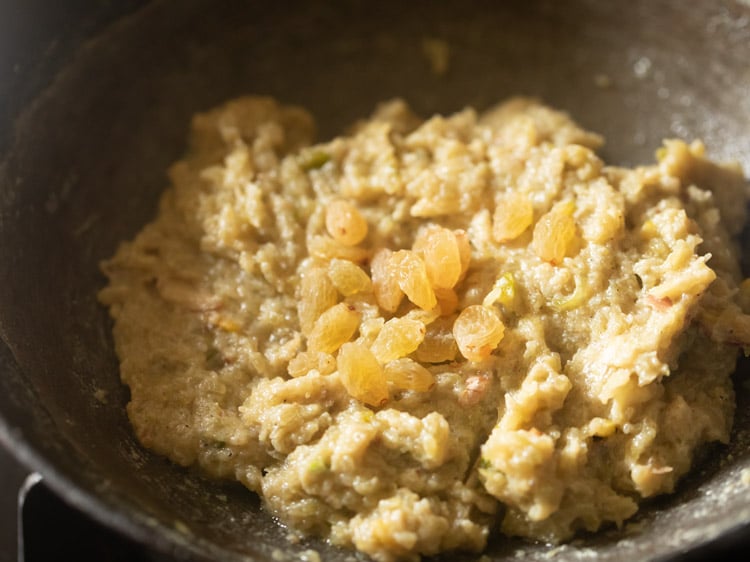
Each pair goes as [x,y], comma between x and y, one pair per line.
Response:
[89,125]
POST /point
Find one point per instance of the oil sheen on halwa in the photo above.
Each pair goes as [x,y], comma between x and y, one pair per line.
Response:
[426,331]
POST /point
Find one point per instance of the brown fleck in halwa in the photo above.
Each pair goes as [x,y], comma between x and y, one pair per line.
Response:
[426,331]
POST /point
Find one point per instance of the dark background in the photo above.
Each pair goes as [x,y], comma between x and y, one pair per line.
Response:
[37,36]
[12,476]
[34,39]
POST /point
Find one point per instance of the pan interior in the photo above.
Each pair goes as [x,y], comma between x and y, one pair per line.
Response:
[87,162]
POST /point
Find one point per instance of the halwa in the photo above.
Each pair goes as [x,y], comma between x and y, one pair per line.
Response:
[422,332]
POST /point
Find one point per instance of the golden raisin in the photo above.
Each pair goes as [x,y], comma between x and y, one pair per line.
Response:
[326,248]
[423,316]
[388,294]
[438,345]
[477,330]
[362,375]
[411,274]
[555,234]
[316,295]
[407,374]
[334,327]
[306,361]
[348,277]
[513,215]
[345,223]
[397,338]
[447,301]
[438,247]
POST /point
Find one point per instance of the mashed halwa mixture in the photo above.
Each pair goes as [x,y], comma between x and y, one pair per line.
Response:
[423,331]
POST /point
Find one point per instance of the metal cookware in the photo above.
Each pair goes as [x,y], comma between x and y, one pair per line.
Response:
[95,100]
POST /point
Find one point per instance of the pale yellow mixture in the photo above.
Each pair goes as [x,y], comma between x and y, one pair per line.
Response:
[424,332]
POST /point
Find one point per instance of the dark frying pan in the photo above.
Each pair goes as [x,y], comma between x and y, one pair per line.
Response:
[95,98]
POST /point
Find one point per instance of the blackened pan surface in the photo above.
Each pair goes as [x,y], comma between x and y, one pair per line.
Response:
[90,122]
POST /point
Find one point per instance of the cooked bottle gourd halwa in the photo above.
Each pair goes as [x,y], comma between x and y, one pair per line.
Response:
[424,332]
